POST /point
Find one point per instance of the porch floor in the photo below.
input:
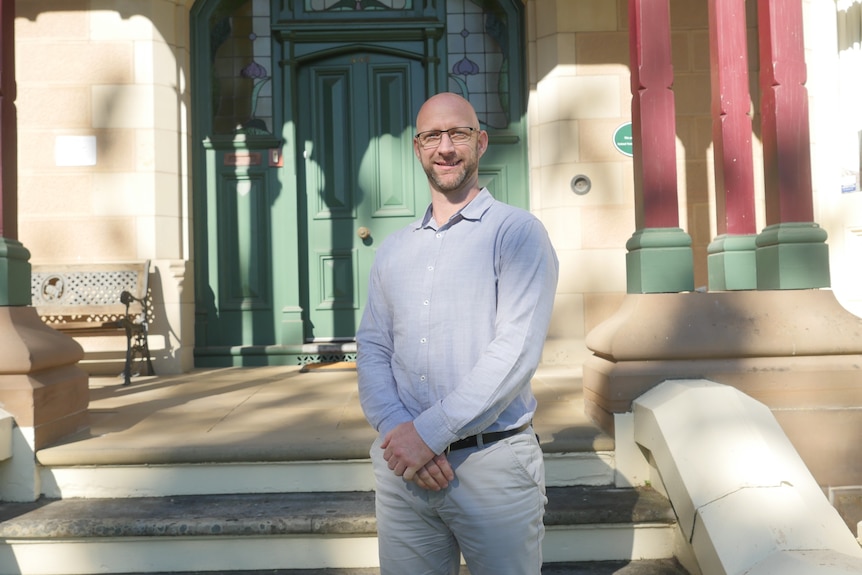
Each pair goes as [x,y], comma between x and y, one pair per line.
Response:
[273,414]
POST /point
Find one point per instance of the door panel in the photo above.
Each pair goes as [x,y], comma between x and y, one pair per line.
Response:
[361,180]
[388,169]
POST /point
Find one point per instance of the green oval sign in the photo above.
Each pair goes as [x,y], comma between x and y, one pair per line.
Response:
[623,139]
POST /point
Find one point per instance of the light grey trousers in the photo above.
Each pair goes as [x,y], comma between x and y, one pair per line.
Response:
[491,513]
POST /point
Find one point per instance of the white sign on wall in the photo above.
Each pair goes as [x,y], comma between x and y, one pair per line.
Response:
[75,151]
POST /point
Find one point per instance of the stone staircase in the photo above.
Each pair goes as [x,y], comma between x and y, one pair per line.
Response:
[265,471]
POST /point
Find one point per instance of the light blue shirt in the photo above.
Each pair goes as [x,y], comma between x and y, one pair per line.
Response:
[455,322]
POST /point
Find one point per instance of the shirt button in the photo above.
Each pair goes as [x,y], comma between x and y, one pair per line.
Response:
[426,302]
[439,235]
[421,378]
[430,268]
[423,340]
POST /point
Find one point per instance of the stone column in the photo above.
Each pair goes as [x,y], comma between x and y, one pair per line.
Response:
[791,251]
[731,259]
[659,257]
[41,385]
[13,256]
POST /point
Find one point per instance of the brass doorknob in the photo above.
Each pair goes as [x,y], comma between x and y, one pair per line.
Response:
[363,233]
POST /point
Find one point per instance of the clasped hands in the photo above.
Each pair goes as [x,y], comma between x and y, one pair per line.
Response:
[410,457]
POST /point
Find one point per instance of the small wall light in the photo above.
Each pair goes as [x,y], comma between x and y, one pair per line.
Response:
[581,184]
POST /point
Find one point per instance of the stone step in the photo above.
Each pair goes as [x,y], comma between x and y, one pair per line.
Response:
[331,475]
[642,567]
[293,531]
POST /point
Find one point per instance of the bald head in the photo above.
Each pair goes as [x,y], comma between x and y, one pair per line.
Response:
[446,110]
[452,167]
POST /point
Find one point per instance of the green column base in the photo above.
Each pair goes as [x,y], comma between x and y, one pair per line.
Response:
[792,256]
[732,263]
[14,273]
[659,260]
[292,326]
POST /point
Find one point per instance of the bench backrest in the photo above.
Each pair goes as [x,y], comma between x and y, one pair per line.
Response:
[64,290]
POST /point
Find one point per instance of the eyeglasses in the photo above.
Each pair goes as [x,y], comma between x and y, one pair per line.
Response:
[432,138]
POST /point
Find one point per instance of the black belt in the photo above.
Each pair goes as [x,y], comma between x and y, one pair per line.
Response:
[487,438]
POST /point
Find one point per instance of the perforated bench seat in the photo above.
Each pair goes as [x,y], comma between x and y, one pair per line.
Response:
[97,299]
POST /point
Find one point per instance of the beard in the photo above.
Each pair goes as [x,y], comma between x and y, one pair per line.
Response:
[453,181]
[448,183]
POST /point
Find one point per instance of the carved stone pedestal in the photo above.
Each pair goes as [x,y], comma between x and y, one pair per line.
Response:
[40,382]
[797,351]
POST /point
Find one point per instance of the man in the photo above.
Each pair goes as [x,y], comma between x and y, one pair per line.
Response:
[458,310]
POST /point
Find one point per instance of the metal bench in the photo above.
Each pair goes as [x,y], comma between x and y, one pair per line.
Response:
[97,299]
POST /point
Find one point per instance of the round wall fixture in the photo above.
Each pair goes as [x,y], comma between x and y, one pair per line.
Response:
[581,184]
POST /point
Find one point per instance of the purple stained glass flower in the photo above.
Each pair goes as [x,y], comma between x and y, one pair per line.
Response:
[253,70]
[465,67]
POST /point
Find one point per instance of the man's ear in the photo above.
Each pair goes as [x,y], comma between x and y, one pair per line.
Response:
[482,142]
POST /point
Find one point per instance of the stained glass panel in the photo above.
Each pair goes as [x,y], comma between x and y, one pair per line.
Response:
[241,67]
[477,43]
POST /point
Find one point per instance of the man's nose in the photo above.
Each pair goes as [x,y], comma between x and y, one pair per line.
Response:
[445,142]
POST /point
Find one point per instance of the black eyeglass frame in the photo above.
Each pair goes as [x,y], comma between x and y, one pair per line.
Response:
[439,134]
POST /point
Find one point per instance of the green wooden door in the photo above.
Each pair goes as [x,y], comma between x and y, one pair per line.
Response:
[358,176]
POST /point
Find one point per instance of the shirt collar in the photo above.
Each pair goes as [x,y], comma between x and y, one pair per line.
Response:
[472,211]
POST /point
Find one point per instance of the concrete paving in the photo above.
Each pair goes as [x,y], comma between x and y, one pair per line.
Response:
[272,414]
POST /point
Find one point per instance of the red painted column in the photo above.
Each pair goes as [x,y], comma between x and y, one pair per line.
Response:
[784,113]
[653,121]
[8,124]
[791,250]
[659,256]
[731,122]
